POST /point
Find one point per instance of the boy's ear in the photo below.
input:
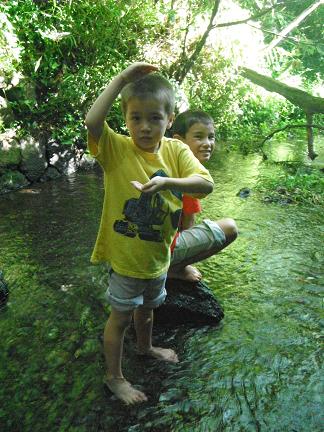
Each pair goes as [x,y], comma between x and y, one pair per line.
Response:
[179,137]
[171,120]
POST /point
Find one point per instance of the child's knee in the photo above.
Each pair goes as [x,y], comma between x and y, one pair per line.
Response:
[121,319]
[232,230]
[229,228]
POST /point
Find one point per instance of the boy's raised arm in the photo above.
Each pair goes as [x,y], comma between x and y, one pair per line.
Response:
[98,112]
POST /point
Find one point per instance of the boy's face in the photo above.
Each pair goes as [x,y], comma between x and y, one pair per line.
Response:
[147,121]
[201,140]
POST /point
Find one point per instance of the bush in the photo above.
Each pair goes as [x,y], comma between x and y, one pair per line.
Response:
[69,51]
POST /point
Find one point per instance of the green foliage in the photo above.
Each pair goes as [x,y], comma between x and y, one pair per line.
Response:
[260,114]
[69,51]
[9,53]
[241,113]
[213,86]
[302,50]
[61,54]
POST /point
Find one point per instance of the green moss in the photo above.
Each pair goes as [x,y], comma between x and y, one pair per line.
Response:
[10,157]
[12,180]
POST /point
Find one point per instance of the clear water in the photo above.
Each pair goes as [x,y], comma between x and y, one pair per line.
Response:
[260,370]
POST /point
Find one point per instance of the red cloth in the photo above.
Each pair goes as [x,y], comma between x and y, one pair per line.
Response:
[189,206]
[174,241]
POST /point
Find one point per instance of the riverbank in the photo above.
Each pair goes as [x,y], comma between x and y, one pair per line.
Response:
[36,159]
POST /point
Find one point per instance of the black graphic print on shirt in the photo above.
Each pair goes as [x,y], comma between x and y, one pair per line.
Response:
[144,216]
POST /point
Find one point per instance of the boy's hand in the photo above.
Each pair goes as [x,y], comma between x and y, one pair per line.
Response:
[154,185]
[137,185]
[136,71]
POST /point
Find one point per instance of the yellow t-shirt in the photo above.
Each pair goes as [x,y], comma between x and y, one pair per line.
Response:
[136,229]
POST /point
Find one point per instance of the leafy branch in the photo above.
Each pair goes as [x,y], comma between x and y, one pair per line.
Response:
[250,18]
[290,127]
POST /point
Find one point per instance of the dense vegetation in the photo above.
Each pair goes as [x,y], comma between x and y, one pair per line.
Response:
[55,56]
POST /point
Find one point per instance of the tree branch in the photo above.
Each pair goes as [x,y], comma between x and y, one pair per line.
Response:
[181,74]
[251,18]
[293,24]
[290,38]
[307,102]
[291,127]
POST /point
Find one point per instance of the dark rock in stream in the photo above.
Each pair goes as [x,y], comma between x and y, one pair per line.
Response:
[244,192]
[188,303]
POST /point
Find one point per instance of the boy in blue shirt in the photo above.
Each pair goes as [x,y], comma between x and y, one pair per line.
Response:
[144,176]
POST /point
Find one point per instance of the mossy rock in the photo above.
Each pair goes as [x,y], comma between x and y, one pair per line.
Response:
[51,173]
[6,113]
[33,162]
[10,152]
[190,303]
[12,180]
[10,157]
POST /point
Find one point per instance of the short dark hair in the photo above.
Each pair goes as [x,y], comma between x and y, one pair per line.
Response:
[186,119]
[153,85]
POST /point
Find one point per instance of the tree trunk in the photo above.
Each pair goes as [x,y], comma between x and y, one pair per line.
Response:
[307,102]
[179,72]
[310,137]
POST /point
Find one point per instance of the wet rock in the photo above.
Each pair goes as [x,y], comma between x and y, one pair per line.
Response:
[10,154]
[268,199]
[4,290]
[29,191]
[11,181]
[34,161]
[50,174]
[61,157]
[286,201]
[188,303]
[279,199]
[281,190]
[244,192]
[87,162]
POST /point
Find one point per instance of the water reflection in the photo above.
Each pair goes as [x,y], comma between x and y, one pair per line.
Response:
[294,150]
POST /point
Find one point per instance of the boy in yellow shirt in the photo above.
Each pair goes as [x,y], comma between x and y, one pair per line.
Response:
[194,243]
[144,176]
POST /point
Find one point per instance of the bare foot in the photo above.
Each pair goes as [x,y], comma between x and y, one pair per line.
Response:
[164,354]
[187,273]
[124,391]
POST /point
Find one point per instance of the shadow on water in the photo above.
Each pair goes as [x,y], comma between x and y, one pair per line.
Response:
[260,370]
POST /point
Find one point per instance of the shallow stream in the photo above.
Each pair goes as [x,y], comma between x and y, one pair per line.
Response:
[259,370]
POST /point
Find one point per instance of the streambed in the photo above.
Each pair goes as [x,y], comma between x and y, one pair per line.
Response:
[259,370]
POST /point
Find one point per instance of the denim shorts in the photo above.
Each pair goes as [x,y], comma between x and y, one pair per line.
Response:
[197,239]
[126,293]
